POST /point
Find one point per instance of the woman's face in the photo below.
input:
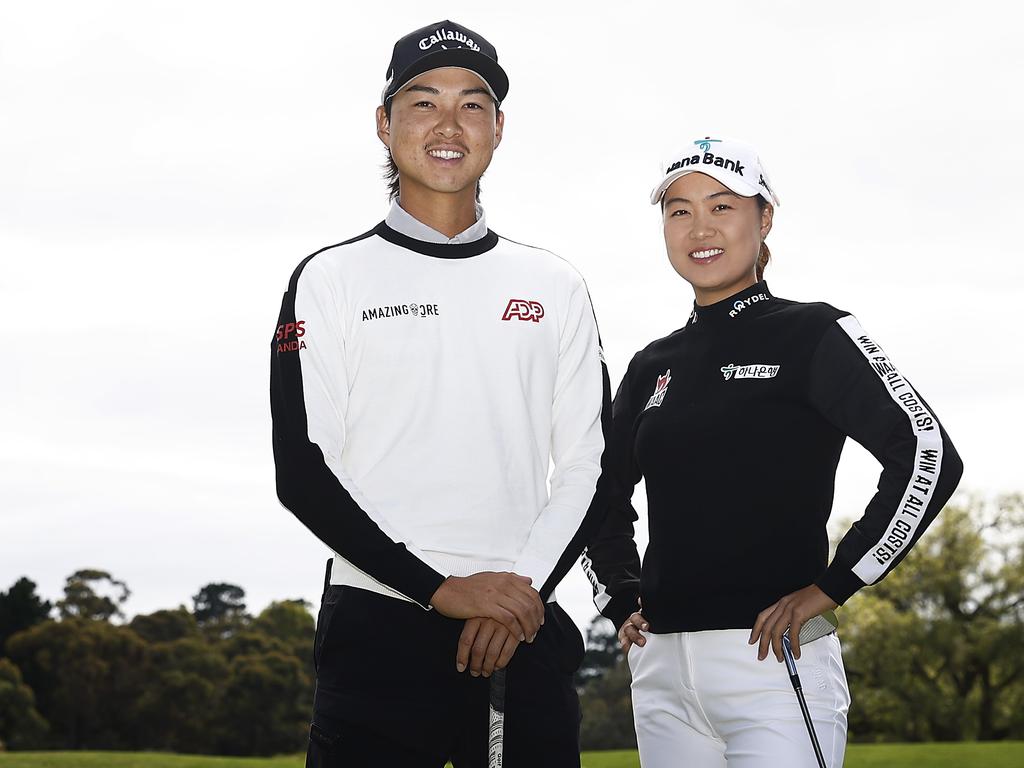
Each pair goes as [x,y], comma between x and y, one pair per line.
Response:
[713,236]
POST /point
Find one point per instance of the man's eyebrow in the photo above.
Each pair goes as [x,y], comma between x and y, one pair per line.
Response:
[436,92]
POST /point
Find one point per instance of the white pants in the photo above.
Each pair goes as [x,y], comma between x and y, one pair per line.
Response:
[703,700]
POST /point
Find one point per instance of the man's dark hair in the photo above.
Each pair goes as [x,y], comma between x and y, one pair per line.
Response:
[391,170]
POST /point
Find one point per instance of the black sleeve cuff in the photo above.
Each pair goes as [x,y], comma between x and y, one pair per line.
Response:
[427,583]
[839,583]
[621,607]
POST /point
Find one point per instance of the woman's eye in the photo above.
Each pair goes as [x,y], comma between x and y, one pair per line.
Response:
[723,207]
[679,212]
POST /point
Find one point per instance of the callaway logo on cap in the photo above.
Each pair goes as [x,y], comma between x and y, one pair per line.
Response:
[444,44]
[731,162]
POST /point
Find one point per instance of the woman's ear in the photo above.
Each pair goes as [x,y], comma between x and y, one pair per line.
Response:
[766,220]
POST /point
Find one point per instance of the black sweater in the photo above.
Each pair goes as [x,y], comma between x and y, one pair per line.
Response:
[736,423]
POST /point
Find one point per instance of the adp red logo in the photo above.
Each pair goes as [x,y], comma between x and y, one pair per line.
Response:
[523,310]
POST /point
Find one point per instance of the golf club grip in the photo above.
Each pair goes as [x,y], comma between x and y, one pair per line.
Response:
[496,731]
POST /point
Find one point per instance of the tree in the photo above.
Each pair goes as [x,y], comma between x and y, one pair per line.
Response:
[87,676]
[183,696]
[607,706]
[602,653]
[20,608]
[81,600]
[265,706]
[165,625]
[603,681]
[249,642]
[21,725]
[220,608]
[933,652]
[290,622]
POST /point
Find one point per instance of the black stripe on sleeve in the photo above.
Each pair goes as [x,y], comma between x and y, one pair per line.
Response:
[311,491]
[611,561]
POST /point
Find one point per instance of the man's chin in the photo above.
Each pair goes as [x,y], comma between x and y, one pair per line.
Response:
[449,187]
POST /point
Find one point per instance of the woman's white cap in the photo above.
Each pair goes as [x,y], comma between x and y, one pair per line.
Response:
[733,163]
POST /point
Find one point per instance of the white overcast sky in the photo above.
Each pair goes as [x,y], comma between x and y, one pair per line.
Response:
[164,166]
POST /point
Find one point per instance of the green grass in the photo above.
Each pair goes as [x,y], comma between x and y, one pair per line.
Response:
[1000,754]
[990,754]
[140,760]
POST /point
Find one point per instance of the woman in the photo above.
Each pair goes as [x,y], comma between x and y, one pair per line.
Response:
[736,422]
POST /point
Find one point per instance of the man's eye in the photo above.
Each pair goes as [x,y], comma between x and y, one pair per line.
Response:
[679,212]
[473,105]
[423,104]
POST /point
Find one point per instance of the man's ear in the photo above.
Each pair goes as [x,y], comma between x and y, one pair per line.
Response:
[383,126]
[499,127]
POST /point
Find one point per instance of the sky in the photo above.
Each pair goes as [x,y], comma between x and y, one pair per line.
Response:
[164,166]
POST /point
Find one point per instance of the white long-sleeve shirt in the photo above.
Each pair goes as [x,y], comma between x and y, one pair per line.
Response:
[421,391]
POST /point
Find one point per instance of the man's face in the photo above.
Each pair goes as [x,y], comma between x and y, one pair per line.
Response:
[442,133]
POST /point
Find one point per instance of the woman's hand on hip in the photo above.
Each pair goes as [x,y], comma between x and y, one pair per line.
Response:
[791,612]
[629,632]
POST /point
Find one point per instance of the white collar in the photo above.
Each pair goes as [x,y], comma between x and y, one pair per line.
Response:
[402,221]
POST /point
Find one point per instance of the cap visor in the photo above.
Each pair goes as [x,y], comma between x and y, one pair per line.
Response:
[727,178]
[486,68]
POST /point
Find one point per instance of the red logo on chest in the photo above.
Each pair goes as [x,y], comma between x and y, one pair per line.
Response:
[521,309]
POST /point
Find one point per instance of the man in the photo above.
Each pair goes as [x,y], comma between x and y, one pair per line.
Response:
[424,377]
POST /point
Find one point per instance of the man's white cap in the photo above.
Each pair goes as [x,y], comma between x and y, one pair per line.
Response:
[731,162]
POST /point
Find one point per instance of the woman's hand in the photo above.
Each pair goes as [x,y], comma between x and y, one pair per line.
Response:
[791,612]
[629,633]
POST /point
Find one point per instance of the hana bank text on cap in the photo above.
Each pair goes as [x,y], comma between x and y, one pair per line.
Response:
[444,44]
[733,163]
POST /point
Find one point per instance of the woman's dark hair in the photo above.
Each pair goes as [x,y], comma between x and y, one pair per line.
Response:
[391,170]
[764,255]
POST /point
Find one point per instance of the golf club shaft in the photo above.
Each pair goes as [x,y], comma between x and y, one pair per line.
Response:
[810,726]
[794,678]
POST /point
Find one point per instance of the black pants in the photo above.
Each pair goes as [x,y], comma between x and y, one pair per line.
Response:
[388,693]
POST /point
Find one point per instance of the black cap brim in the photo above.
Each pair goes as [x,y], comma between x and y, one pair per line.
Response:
[484,66]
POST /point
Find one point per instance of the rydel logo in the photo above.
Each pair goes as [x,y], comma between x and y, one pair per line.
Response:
[752,371]
[521,309]
[660,390]
[740,304]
